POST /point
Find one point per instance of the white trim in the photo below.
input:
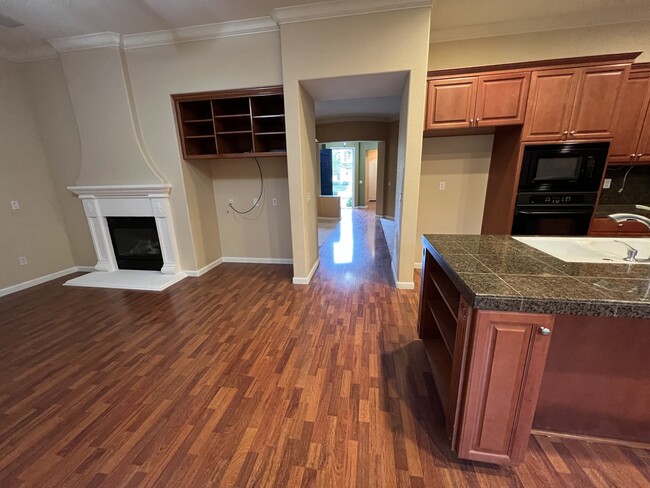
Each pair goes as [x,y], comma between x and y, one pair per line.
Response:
[342,8]
[43,279]
[405,285]
[253,260]
[200,32]
[297,280]
[204,269]
[87,41]
[417,265]
[329,218]
[26,55]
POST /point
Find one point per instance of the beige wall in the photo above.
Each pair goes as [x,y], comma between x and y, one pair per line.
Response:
[37,230]
[265,232]
[158,72]
[390,174]
[57,127]
[313,50]
[463,164]
[543,45]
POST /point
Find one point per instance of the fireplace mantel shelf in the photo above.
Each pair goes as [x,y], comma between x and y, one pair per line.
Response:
[117,191]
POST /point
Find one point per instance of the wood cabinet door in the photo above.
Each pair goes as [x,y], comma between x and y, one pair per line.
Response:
[607,227]
[550,101]
[643,150]
[501,99]
[628,122]
[450,103]
[596,102]
[458,368]
[508,353]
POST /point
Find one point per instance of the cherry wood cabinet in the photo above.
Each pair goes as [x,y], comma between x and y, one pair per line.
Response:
[508,353]
[603,227]
[487,367]
[477,101]
[232,123]
[574,103]
[628,145]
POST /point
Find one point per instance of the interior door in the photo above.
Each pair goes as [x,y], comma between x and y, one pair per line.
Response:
[371,177]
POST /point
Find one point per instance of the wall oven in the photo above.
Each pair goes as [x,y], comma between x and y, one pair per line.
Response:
[558,188]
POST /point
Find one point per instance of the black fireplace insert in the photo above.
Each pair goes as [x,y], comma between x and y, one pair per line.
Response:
[135,242]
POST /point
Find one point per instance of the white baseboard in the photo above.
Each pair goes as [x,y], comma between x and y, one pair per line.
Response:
[44,279]
[329,218]
[257,260]
[405,285]
[297,280]
[418,265]
[387,217]
[204,269]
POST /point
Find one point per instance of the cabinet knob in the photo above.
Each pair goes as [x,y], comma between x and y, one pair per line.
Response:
[477,120]
[471,121]
[573,132]
[639,155]
[544,331]
[633,156]
[565,132]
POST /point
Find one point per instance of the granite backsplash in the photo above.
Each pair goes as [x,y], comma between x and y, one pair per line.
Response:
[635,190]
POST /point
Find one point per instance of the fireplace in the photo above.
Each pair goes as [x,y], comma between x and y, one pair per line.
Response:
[135,242]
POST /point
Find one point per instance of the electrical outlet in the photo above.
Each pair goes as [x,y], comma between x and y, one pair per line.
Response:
[274,201]
[231,202]
[442,185]
[308,197]
[22,260]
[607,183]
[15,205]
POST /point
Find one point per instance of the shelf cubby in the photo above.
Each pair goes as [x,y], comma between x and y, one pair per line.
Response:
[232,123]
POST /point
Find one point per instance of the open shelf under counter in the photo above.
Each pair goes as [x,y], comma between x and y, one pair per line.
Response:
[440,363]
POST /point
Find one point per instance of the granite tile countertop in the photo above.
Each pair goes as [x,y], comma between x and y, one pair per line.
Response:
[501,273]
[602,211]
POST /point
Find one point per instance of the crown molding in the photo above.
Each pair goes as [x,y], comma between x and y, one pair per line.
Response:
[200,32]
[342,8]
[118,191]
[88,41]
[541,24]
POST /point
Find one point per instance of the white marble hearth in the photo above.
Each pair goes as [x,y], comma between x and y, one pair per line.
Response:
[127,279]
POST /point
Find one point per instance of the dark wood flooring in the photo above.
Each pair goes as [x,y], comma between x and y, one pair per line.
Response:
[239,378]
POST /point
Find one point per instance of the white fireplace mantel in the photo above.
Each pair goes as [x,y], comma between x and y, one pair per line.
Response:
[150,200]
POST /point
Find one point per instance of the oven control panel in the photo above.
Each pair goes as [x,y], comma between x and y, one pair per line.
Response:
[556,199]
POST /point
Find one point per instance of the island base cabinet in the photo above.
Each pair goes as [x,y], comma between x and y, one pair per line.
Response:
[506,364]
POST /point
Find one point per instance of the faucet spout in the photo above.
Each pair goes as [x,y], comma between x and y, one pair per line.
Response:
[622,217]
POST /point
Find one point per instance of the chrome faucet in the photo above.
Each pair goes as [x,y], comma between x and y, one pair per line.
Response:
[631,252]
[622,217]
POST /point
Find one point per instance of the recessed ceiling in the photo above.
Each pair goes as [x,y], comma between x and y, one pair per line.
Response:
[378,108]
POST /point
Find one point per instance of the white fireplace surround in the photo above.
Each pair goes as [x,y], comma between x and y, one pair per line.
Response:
[150,200]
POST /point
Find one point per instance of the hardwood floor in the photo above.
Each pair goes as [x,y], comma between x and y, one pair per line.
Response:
[239,378]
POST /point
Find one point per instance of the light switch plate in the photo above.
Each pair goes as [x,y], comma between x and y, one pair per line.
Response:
[607,183]
[442,185]
[15,205]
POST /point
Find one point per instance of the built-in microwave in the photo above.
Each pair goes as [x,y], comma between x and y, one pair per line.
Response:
[566,167]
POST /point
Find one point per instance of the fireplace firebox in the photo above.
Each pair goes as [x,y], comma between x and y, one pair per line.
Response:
[135,242]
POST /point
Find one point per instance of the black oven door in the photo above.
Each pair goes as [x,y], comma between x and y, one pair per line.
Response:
[552,221]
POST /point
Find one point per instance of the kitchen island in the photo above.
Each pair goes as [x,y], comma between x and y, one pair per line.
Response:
[519,340]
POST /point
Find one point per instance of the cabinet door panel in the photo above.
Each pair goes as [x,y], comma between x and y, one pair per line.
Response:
[550,101]
[503,381]
[596,102]
[628,122]
[450,103]
[501,99]
[643,150]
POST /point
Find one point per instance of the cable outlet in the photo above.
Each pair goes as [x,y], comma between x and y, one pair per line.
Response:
[607,183]
[274,201]
[15,205]
[255,200]
[22,260]
[231,202]
[442,185]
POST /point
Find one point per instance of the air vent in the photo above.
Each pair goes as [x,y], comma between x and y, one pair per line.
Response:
[9,22]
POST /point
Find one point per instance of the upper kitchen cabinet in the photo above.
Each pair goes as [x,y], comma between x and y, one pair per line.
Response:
[574,103]
[477,101]
[631,143]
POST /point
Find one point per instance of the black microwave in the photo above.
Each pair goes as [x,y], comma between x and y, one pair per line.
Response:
[563,167]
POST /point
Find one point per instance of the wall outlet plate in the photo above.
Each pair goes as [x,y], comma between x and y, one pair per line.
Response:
[607,183]
[22,260]
[274,201]
[15,205]
[442,185]
[231,201]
